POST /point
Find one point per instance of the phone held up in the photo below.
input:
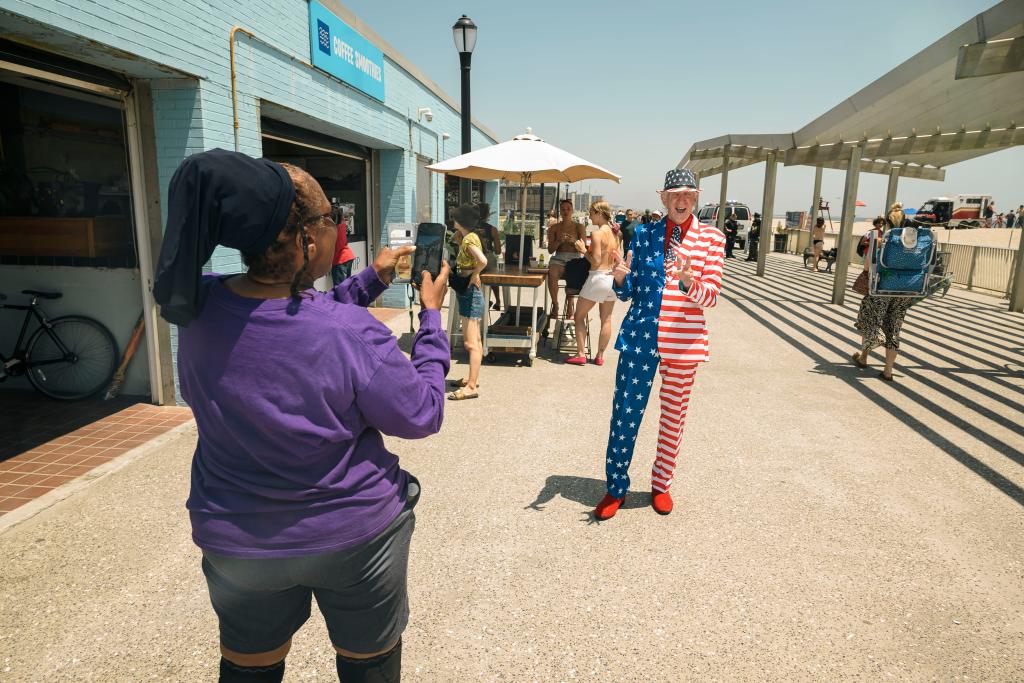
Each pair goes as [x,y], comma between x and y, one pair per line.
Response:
[429,251]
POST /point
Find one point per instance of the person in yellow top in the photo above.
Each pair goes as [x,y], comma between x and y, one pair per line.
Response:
[470,262]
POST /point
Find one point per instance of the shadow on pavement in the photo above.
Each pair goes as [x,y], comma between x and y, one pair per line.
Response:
[796,308]
[582,490]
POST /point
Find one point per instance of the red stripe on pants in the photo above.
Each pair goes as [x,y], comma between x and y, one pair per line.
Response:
[676,382]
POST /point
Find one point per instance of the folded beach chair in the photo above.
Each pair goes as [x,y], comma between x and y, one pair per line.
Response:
[903,263]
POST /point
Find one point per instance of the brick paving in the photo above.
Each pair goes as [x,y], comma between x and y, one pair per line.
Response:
[45,444]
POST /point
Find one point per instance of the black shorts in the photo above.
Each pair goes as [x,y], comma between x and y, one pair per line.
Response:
[361,591]
[817,242]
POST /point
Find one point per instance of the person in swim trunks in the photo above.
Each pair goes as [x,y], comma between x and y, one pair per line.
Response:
[563,237]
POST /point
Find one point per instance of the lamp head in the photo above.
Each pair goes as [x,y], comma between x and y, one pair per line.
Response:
[464,32]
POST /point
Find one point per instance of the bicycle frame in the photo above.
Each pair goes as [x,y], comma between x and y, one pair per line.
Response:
[17,356]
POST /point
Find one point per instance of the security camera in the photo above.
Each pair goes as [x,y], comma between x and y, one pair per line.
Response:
[424,112]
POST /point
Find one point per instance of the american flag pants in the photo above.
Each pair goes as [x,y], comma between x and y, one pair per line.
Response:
[634,381]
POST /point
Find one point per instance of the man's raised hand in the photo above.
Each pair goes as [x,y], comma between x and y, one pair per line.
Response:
[622,268]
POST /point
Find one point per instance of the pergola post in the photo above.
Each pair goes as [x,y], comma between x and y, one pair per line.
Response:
[1017,291]
[720,223]
[816,198]
[805,240]
[767,209]
[846,227]
[890,193]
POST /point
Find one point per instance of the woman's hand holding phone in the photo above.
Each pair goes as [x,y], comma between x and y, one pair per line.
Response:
[433,290]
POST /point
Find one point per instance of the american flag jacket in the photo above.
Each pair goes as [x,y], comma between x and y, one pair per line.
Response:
[663,322]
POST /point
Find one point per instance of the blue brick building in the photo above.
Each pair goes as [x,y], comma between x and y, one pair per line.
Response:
[109,96]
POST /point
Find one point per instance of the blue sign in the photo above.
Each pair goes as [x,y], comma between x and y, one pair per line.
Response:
[343,53]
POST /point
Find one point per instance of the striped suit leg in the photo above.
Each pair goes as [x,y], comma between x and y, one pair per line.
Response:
[676,383]
[634,379]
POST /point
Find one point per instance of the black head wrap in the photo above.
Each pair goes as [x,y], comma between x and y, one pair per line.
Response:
[216,197]
[467,215]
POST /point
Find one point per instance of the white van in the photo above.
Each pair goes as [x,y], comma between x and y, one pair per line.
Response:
[708,214]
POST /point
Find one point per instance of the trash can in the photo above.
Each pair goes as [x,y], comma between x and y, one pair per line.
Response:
[780,243]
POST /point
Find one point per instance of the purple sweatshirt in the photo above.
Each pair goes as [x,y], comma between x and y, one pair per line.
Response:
[291,401]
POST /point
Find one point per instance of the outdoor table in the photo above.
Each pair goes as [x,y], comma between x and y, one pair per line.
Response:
[513,336]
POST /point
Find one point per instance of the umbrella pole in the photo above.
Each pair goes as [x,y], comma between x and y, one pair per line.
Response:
[522,246]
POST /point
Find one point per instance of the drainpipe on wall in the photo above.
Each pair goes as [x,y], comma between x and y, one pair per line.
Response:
[234,87]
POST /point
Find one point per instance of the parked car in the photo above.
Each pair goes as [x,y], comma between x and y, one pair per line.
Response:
[708,214]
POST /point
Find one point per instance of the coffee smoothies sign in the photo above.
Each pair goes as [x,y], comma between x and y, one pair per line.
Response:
[343,53]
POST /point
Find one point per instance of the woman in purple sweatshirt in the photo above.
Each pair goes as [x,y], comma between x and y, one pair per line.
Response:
[293,491]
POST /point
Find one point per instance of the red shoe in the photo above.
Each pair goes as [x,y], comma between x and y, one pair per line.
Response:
[661,501]
[576,360]
[608,506]
[599,361]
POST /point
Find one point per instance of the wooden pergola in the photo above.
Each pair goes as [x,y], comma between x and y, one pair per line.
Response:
[936,109]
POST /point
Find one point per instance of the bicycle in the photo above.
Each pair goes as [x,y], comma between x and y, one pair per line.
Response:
[66,358]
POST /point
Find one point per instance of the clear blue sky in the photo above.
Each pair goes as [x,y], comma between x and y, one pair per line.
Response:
[630,85]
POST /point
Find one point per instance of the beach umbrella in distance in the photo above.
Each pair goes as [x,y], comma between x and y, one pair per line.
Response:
[861,203]
[524,159]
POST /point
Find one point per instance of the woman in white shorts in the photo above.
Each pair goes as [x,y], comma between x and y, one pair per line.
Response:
[604,252]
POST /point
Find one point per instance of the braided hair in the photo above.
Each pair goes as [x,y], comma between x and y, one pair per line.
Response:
[275,263]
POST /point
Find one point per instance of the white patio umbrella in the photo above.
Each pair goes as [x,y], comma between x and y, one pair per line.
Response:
[524,159]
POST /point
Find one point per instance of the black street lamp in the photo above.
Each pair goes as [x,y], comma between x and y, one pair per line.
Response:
[464,32]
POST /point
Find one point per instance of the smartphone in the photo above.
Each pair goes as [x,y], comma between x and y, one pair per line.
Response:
[429,251]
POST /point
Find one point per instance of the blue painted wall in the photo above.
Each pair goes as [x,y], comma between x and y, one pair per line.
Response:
[182,48]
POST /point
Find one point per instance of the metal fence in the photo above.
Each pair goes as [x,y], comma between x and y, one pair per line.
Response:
[988,268]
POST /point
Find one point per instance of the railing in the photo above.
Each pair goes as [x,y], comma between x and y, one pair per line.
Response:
[988,268]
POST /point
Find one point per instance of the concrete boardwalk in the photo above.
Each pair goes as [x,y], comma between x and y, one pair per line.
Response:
[829,526]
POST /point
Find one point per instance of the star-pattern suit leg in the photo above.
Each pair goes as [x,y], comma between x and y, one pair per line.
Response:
[634,380]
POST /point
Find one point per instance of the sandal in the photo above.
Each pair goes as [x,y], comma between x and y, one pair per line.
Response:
[461,395]
[460,383]
[856,359]
[576,360]
[887,378]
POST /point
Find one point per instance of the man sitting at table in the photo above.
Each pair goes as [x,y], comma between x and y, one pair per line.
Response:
[562,245]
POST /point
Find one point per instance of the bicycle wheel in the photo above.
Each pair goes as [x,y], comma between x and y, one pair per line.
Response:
[83,370]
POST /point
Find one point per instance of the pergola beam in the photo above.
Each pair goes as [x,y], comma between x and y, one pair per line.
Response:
[718,168]
[884,167]
[866,166]
[907,146]
[754,154]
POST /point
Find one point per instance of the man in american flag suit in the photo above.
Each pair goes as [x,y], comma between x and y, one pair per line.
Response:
[672,272]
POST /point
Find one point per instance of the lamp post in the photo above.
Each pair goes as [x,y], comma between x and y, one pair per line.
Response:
[464,32]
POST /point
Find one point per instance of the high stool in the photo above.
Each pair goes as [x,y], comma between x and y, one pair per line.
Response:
[565,326]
